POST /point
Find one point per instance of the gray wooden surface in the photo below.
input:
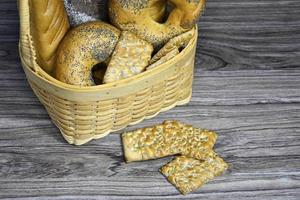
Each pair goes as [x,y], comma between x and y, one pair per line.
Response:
[247,88]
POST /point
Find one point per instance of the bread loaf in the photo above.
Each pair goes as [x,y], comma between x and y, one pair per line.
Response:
[49,24]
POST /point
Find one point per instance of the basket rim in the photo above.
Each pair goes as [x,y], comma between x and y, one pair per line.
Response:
[104,87]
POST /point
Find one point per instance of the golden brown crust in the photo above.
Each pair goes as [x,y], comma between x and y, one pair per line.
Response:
[169,138]
[130,57]
[83,47]
[189,174]
[131,152]
[179,41]
[143,18]
[174,52]
[191,10]
[49,24]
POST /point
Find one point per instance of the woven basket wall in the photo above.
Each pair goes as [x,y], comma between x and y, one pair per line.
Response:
[83,114]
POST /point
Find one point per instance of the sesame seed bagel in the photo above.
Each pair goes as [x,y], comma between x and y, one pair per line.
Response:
[144,18]
[83,47]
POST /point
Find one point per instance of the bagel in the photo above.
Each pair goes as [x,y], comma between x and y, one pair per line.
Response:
[83,47]
[144,18]
[49,24]
[130,57]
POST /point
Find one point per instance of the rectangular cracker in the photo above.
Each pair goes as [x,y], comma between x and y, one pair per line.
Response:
[176,42]
[168,138]
[189,174]
[174,52]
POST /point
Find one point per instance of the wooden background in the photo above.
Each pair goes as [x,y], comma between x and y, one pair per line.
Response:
[247,88]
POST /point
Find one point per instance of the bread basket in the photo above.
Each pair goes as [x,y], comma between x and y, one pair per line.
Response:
[83,114]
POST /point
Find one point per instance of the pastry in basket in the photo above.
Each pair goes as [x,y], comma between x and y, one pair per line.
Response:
[49,24]
[130,57]
[188,174]
[146,18]
[81,11]
[83,47]
[174,52]
[166,139]
[178,42]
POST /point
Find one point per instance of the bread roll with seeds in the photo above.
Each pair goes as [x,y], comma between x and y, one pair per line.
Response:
[83,47]
[49,24]
[145,18]
[130,57]
[166,139]
[189,174]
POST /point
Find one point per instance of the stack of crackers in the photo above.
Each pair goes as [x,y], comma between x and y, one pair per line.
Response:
[196,162]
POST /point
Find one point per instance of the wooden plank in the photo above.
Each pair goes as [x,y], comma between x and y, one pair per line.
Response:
[250,34]
[239,186]
[260,140]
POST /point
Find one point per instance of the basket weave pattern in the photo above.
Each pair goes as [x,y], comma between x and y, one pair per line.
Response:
[83,114]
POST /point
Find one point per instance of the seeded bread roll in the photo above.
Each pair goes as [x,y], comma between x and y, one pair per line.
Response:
[144,18]
[49,24]
[83,47]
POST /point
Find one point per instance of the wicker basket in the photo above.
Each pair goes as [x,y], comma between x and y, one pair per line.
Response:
[83,114]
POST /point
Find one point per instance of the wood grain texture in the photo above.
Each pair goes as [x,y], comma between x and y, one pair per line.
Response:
[255,111]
